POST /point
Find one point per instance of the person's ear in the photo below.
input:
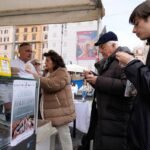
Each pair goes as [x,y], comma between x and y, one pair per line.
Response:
[113,45]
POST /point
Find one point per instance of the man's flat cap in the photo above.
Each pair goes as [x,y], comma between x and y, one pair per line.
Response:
[106,37]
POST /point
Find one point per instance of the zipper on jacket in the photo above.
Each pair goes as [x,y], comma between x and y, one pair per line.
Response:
[57,100]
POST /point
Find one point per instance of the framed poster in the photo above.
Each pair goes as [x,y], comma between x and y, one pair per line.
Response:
[85,49]
[23,110]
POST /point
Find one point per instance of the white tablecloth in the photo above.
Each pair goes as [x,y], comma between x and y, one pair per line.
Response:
[83,112]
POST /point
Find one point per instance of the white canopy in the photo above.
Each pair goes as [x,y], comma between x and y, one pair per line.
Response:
[27,12]
[75,68]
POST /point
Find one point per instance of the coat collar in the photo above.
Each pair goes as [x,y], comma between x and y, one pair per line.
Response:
[148,42]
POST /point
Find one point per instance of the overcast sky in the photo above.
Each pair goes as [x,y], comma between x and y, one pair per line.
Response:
[116,19]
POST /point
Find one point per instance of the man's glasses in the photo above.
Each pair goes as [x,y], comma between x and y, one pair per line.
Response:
[37,64]
[28,51]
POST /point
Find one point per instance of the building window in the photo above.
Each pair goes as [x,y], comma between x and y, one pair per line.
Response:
[5,47]
[4,39]
[25,29]
[45,45]
[7,39]
[17,30]
[33,46]
[34,29]
[5,31]
[33,36]
[24,37]
[45,28]
[45,37]
[0,39]
[1,31]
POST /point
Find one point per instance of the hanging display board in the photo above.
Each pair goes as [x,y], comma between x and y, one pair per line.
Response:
[23,107]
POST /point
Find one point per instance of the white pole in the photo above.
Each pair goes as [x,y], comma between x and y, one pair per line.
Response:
[13,43]
[62,33]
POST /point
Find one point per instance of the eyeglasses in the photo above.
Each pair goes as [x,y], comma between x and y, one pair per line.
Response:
[37,64]
[28,51]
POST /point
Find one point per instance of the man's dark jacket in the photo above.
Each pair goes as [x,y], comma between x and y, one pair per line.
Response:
[113,108]
[139,129]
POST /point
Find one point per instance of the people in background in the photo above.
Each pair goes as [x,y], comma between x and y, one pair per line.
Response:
[84,90]
[113,108]
[74,88]
[57,100]
[139,74]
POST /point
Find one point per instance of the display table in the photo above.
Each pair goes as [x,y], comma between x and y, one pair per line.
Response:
[44,133]
[83,112]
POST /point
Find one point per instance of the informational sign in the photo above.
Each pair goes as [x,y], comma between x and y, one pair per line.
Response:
[85,49]
[23,107]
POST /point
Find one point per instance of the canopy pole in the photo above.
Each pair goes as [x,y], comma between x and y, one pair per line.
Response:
[62,33]
[98,30]
[13,44]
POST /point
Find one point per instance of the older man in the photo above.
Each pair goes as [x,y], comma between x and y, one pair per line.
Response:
[112,106]
[22,63]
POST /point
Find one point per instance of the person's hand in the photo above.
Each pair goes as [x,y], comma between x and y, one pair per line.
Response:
[91,78]
[86,73]
[124,58]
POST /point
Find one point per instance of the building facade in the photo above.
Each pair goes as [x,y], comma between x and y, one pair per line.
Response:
[6,41]
[36,35]
[63,38]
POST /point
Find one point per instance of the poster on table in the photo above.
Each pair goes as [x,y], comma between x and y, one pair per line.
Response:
[23,107]
[85,49]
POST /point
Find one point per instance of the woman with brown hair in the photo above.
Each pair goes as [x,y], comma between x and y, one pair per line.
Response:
[58,106]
